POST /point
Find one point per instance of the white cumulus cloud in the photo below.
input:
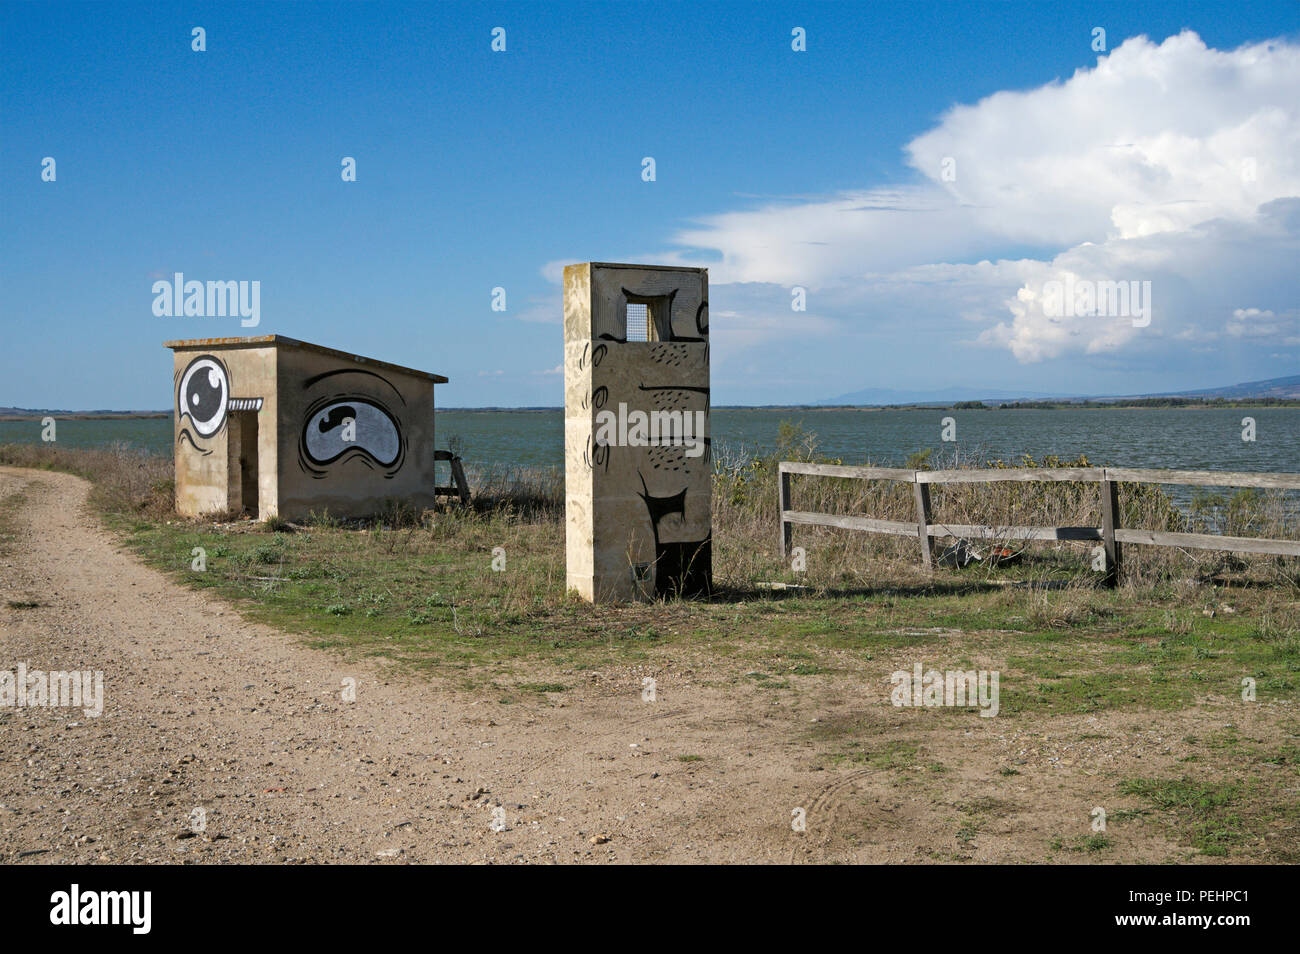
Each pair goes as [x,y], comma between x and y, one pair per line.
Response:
[1169,163]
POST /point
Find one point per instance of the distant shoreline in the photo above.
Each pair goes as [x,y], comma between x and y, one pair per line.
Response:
[87,415]
[1147,404]
[1152,404]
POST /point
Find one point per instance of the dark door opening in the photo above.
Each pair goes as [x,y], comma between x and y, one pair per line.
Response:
[243,462]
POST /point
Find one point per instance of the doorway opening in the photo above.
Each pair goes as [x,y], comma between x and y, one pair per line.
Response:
[242,445]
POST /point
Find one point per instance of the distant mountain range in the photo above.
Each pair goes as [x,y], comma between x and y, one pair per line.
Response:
[1287,388]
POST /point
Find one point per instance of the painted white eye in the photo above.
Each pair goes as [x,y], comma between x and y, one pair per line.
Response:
[205,394]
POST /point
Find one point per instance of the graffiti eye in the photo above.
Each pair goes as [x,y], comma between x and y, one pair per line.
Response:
[205,394]
[354,425]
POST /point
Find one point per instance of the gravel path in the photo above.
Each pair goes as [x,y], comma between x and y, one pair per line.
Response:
[203,710]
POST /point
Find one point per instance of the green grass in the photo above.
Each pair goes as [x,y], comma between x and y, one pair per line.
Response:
[1248,806]
[423,597]
[426,599]
[392,591]
[1206,813]
[1085,844]
[893,755]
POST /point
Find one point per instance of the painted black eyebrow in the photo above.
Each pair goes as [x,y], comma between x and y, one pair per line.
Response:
[185,435]
[327,374]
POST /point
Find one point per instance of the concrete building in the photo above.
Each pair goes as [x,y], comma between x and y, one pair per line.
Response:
[636,431]
[273,426]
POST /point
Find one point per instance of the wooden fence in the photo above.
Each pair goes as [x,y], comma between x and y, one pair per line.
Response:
[1110,534]
[459,486]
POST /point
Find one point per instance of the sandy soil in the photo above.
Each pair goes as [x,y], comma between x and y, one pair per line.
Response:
[205,710]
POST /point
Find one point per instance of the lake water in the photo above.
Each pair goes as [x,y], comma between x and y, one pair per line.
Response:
[1208,439]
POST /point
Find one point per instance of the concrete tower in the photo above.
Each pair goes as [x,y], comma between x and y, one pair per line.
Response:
[636,431]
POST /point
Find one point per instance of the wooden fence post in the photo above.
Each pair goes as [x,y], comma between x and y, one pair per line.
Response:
[462,485]
[1110,521]
[459,485]
[783,504]
[922,494]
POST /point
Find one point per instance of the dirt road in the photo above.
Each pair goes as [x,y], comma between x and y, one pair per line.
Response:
[206,711]
[203,710]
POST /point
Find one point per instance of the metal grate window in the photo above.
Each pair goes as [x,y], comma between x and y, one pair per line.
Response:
[638,323]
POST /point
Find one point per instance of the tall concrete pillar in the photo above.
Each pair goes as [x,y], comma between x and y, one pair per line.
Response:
[636,431]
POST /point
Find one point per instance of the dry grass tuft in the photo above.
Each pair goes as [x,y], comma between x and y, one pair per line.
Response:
[515,504]
[127,481]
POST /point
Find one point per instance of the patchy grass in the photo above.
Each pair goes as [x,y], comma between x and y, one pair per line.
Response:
[1244,804]
[1205,813]
[892,755]
[1082,844]
[9,508]
[418,592]
[424,597]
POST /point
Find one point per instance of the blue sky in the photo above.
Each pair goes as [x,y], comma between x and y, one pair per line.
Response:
[774,168]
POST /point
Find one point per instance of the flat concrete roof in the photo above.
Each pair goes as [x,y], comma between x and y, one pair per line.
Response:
[282,341]
[647,268]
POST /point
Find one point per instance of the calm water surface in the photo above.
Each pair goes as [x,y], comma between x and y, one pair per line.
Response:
[1175,438]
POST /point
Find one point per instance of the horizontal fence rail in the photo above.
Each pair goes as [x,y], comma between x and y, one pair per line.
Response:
[1110,534]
